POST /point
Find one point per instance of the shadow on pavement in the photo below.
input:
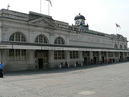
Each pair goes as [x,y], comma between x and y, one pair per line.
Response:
[57,70]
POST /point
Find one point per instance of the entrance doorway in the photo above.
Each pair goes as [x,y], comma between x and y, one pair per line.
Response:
[121,57]
[85,61]
[95,60]
[43,59]
[40,63]
[103,60]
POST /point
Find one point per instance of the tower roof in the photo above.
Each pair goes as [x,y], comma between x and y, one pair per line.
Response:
[79,17]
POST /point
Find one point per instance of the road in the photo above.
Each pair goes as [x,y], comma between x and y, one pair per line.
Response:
[101,81]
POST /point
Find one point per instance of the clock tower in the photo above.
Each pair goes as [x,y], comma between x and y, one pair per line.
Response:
[79,20]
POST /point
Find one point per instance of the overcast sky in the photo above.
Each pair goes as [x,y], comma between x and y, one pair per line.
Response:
[101,15]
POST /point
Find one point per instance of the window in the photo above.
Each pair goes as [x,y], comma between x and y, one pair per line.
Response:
[17,37]
[74,54]
[59,40]
[41,39]
[116,54]
[95,54]
[110,54]
[11,52]
[17,54]
[86,53]
[125,54]
[59,55]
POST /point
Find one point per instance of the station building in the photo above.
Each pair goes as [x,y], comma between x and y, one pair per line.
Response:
[36,41]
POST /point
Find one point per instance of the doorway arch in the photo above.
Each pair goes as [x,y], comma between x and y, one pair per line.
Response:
[42,57]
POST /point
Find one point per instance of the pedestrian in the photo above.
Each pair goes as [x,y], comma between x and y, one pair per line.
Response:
[1,73]
[1,70]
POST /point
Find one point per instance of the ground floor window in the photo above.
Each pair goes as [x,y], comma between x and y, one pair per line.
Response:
[125,54]
[95,54]
[110,54]
[59,55]
[17,54]
[74,54]
[116,54]
[86,54]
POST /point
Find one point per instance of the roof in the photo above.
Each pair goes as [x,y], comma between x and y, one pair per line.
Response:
[79,17]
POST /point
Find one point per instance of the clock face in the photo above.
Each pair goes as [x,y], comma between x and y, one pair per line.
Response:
[80,22]
[77,22]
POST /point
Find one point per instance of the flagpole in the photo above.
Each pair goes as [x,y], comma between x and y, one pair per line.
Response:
[8,7]
[117,28]
[49,4]
[40,6]
[116,31]
[48,9]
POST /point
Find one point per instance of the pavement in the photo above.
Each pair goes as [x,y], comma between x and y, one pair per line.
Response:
[92,81]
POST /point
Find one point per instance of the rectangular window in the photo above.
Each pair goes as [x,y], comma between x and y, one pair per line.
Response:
[125,54]
[59,55]
[23,53]
[116,54]
[11,52]
[17,54]
[86,53]
[110,54]
[74,55]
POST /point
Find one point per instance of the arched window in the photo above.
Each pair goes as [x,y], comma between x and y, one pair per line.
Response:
[115,46]
[17,54]
[59,40]
[121,47]
[59,55]
[17,37]
[41,39]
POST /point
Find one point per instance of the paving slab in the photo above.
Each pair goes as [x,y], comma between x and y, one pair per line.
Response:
[101,81]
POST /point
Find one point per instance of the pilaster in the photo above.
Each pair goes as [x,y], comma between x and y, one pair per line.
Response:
[67,56]
[51,58]
[91,57]
[100,57]
[107,57]
[81,59]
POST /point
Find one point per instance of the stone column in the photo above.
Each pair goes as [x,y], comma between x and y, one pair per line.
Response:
[118,56]
[114,57]
[0,32]
[3,56]
[107,57]
[32,62]
[124,56]
[51,59]
[100,57]
[91,57]
[81,59]
[67,57]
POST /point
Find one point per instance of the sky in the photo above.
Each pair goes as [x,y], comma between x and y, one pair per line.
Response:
[101,15]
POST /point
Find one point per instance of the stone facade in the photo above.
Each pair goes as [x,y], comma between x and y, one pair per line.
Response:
[37,41]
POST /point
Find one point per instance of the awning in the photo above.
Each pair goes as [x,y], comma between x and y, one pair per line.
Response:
[56,47]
